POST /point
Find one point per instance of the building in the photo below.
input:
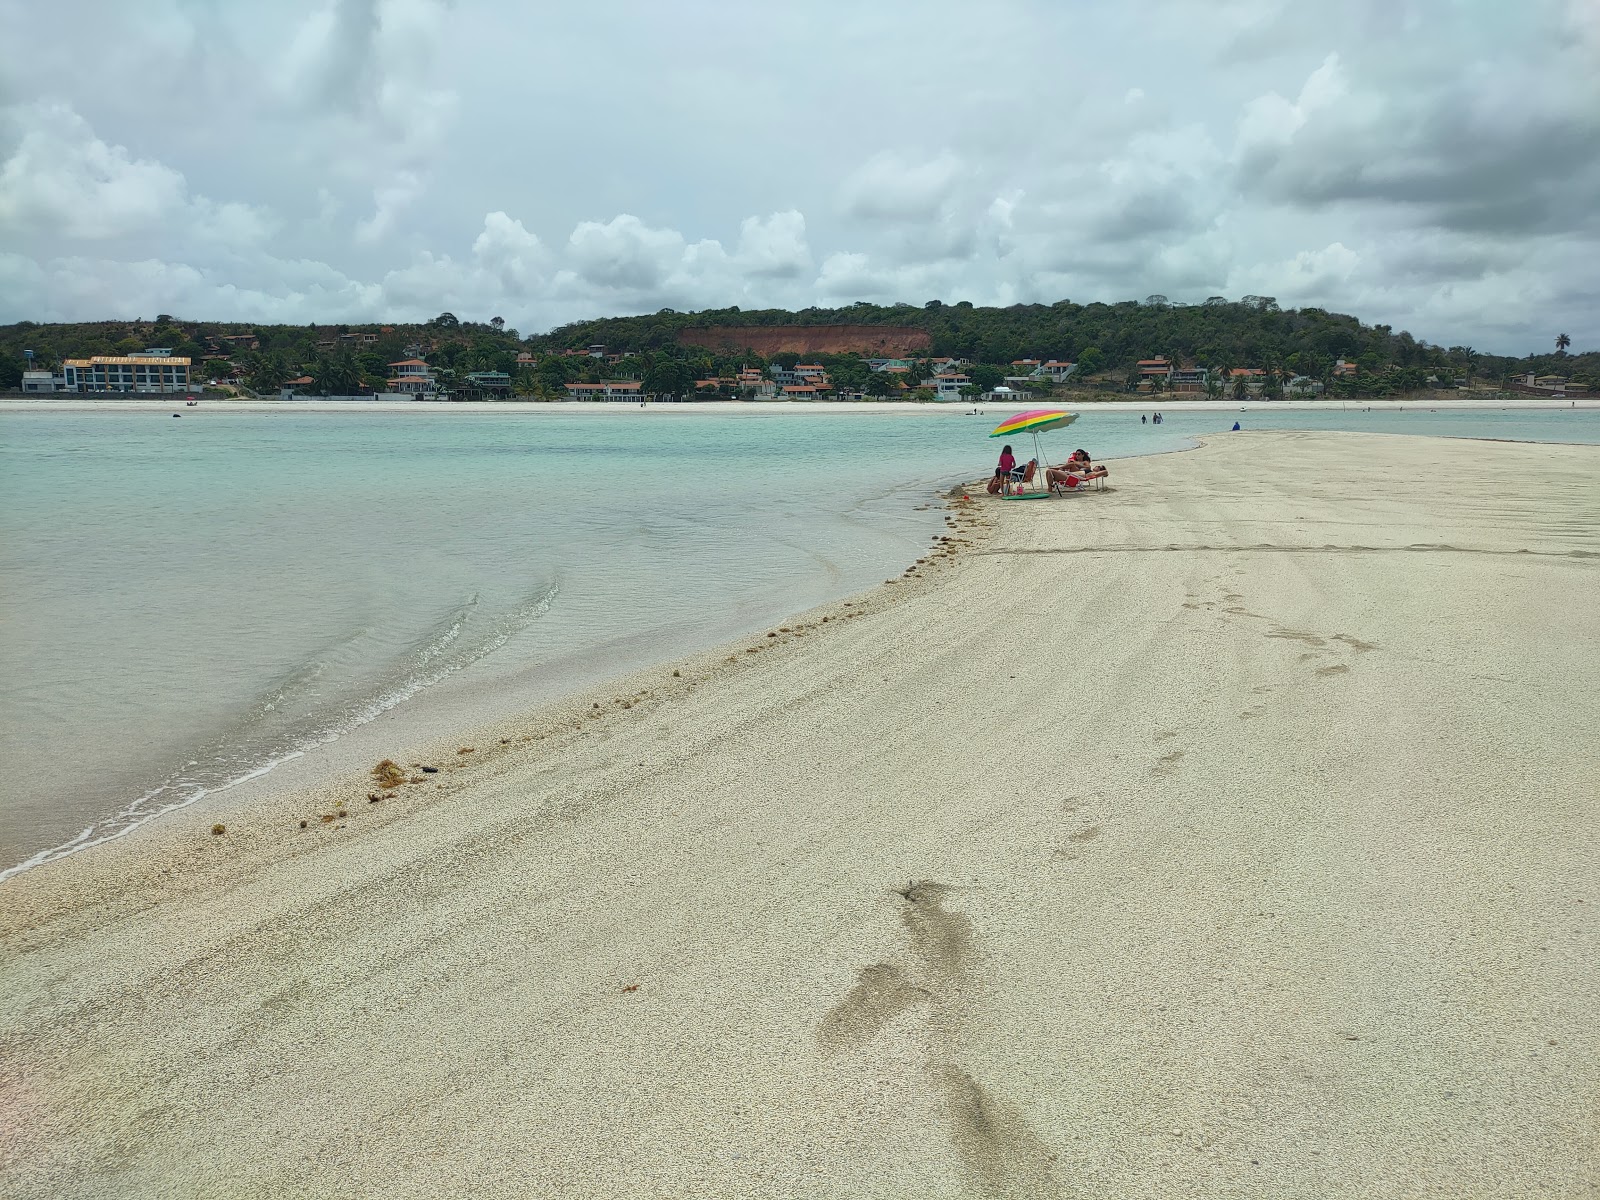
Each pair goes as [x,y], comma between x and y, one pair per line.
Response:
[1255,378]
[291,386]
[412,377]
[948,386]
[1154,368]
[152,371]
[1008,393]
[801,373]
[1054,370]
[41,381]
[610,391]
[1188,379]
[490,383]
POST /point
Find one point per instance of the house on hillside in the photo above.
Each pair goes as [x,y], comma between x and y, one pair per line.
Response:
[291,386]
[1154,368]
[496,385]
[1188,379]
[948,386]
[412,377]
[1055,371]
[801,373]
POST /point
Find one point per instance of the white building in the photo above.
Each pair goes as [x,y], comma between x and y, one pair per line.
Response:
[412,377]
[610,391]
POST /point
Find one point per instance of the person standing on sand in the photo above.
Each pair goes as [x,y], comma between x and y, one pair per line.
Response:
[1008,462]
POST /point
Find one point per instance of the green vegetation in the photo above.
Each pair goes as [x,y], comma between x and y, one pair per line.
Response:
[1106,340]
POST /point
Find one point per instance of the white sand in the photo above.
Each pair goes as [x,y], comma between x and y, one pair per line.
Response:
[1227,833]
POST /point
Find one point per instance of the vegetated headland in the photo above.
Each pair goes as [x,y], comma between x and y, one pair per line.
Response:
[1219,349]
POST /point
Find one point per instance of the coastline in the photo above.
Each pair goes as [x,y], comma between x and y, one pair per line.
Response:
[1452,402]
[1059,931]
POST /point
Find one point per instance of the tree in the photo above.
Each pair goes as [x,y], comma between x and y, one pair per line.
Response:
[499,323]
[986,377]
[446,320]
[1562,342]
[10,374]
[668,377]
[879,383]
[1091,361]
[1241,390]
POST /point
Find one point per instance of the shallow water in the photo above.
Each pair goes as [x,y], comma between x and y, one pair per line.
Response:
[186,603]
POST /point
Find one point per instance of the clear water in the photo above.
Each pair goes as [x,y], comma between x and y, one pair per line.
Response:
[184,603]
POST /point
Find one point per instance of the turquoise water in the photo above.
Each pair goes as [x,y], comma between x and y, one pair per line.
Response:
[187,602]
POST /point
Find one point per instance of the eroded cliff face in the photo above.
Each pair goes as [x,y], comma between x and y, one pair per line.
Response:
[882,341]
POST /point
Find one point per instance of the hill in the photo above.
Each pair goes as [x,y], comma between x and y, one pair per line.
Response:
[871,341]
[1105,340]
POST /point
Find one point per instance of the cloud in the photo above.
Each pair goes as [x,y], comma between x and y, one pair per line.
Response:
[891,187]
[1438,167]
[774,247]
[63,179]
[624,253]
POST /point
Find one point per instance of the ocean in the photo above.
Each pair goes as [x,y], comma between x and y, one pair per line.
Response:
[186,603]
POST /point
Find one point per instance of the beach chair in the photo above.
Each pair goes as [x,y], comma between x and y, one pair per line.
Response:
[1020,477]
[1093,481]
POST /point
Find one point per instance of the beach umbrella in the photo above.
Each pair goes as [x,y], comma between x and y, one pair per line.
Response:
[1034,422]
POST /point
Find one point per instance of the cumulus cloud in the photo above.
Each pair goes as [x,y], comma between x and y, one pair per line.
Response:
[62,178]
[891,187]
[363,159]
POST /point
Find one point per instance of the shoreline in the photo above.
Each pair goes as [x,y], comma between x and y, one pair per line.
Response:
[1202,892]
[1452,403]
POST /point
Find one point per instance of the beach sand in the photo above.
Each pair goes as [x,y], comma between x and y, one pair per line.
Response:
[1230,832]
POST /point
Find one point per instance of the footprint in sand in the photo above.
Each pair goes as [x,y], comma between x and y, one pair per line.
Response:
[1167,763]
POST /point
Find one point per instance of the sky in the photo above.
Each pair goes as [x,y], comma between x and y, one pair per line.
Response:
[1433,165]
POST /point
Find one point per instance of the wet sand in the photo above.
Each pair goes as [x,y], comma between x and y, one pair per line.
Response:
[1229,832]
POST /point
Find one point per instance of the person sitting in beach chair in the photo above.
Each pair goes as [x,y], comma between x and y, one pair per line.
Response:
[1075,472]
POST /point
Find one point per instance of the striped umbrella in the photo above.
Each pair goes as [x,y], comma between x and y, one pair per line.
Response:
[1034,422]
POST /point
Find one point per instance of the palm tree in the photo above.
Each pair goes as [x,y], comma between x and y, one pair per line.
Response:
[1562,342]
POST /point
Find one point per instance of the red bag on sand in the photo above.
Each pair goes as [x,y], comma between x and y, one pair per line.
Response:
[994,484]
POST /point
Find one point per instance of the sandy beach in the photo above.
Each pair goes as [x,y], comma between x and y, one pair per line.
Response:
[1228,832]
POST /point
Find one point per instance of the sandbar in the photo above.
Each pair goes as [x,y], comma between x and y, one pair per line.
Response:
[1227,832]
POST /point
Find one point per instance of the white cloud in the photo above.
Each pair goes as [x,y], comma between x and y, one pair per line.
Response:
[774,247]
[890,187]
[347,159]
[63,179]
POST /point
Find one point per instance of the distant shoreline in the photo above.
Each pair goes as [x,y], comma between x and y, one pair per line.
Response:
[13,404]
